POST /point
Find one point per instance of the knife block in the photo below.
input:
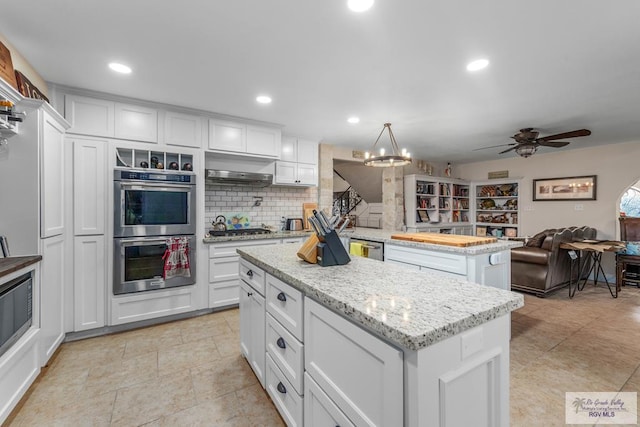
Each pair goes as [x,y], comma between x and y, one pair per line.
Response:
[331,251]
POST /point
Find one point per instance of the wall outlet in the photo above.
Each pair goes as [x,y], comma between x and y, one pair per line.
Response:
[578,207]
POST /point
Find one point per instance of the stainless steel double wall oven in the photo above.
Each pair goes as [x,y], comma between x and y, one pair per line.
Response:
[150,207]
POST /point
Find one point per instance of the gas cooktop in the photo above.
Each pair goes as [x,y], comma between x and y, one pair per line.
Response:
[239,232]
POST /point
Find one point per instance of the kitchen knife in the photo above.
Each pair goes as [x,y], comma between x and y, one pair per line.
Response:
[316,226]
[325,221]
[325,229]
[344,224]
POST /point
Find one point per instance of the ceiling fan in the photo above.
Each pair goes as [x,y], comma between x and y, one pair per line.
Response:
[527,141]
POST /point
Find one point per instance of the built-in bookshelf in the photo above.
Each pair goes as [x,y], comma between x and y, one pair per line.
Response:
[496,208]
[437,204]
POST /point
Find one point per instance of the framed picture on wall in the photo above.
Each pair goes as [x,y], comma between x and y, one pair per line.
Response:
[569,188]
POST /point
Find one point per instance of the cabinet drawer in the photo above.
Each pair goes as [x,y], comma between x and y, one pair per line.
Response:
[253,275]
[223,249]
[319,409]
[223,268]
[284,396]
[284,303]
[286,351]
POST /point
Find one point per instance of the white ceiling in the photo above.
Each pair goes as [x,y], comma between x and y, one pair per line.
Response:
[555,65]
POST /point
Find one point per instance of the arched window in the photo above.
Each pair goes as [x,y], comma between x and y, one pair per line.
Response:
[630,202]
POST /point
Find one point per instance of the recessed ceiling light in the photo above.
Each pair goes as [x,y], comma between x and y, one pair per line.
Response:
[353,120]
[359,5]
[477,65]
[120,68]
[264,99]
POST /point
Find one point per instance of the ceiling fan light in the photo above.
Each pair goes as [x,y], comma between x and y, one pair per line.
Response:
[526,150]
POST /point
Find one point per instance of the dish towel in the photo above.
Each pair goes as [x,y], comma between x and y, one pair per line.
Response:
[355,249]
[176,258]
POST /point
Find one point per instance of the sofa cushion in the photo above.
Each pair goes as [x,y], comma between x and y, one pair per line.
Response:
[530,255]
[536,241]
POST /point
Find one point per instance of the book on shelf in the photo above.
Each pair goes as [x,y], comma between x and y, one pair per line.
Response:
[423,216]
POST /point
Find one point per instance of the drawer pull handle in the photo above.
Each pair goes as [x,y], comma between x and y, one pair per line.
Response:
[281,388]
[281,343]
[282,297]
[249,273]
[249,294]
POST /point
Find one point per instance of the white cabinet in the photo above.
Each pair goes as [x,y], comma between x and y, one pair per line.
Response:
[136,123]
[319,409]
[287,400]
[252,329]
[263,141]
[99,117]
[360,373]
[243,139]
[224,264]
[298,164]
[52,175]
[89,185]
[182,129]
[51,296]
[89,282]
[89,116]
[299,150]
[227,136]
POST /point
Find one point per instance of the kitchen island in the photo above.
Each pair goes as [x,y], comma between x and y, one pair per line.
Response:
[487,264]
[370,343]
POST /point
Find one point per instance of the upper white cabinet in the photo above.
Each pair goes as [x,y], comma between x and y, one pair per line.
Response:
[263,141]
[239,138]
[182,129]
[89,116]
[98,117]
[227,136]
[298,163]
[52,175]
[136,123]
[299,150]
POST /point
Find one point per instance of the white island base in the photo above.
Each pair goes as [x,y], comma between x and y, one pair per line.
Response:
[431,351]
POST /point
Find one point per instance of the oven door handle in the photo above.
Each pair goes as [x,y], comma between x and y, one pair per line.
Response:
[133,242]
[163,186]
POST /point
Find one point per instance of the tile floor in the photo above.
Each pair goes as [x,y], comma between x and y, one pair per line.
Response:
[190,372]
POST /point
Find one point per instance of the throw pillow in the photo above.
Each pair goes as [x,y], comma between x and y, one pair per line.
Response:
[536,241]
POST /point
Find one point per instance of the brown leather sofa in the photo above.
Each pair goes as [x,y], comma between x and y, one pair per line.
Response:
[541,266]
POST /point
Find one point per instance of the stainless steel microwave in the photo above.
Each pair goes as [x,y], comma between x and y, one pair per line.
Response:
[154,203]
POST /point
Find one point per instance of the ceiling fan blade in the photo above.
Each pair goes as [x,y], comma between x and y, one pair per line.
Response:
[572,134]
[507,150]
[556,144]
[494,146]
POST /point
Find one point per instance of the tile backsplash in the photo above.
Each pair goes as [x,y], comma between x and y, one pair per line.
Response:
[277,202]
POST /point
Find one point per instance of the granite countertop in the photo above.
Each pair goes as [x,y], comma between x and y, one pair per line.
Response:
[273,235]
[413,309]
[384,236]
[15,263]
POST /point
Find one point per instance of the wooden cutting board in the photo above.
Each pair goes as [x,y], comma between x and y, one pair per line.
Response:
[445,239]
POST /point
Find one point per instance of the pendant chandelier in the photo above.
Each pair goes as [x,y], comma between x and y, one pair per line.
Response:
[395,158]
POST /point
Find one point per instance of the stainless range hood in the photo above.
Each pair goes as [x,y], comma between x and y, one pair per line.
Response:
[221,177]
